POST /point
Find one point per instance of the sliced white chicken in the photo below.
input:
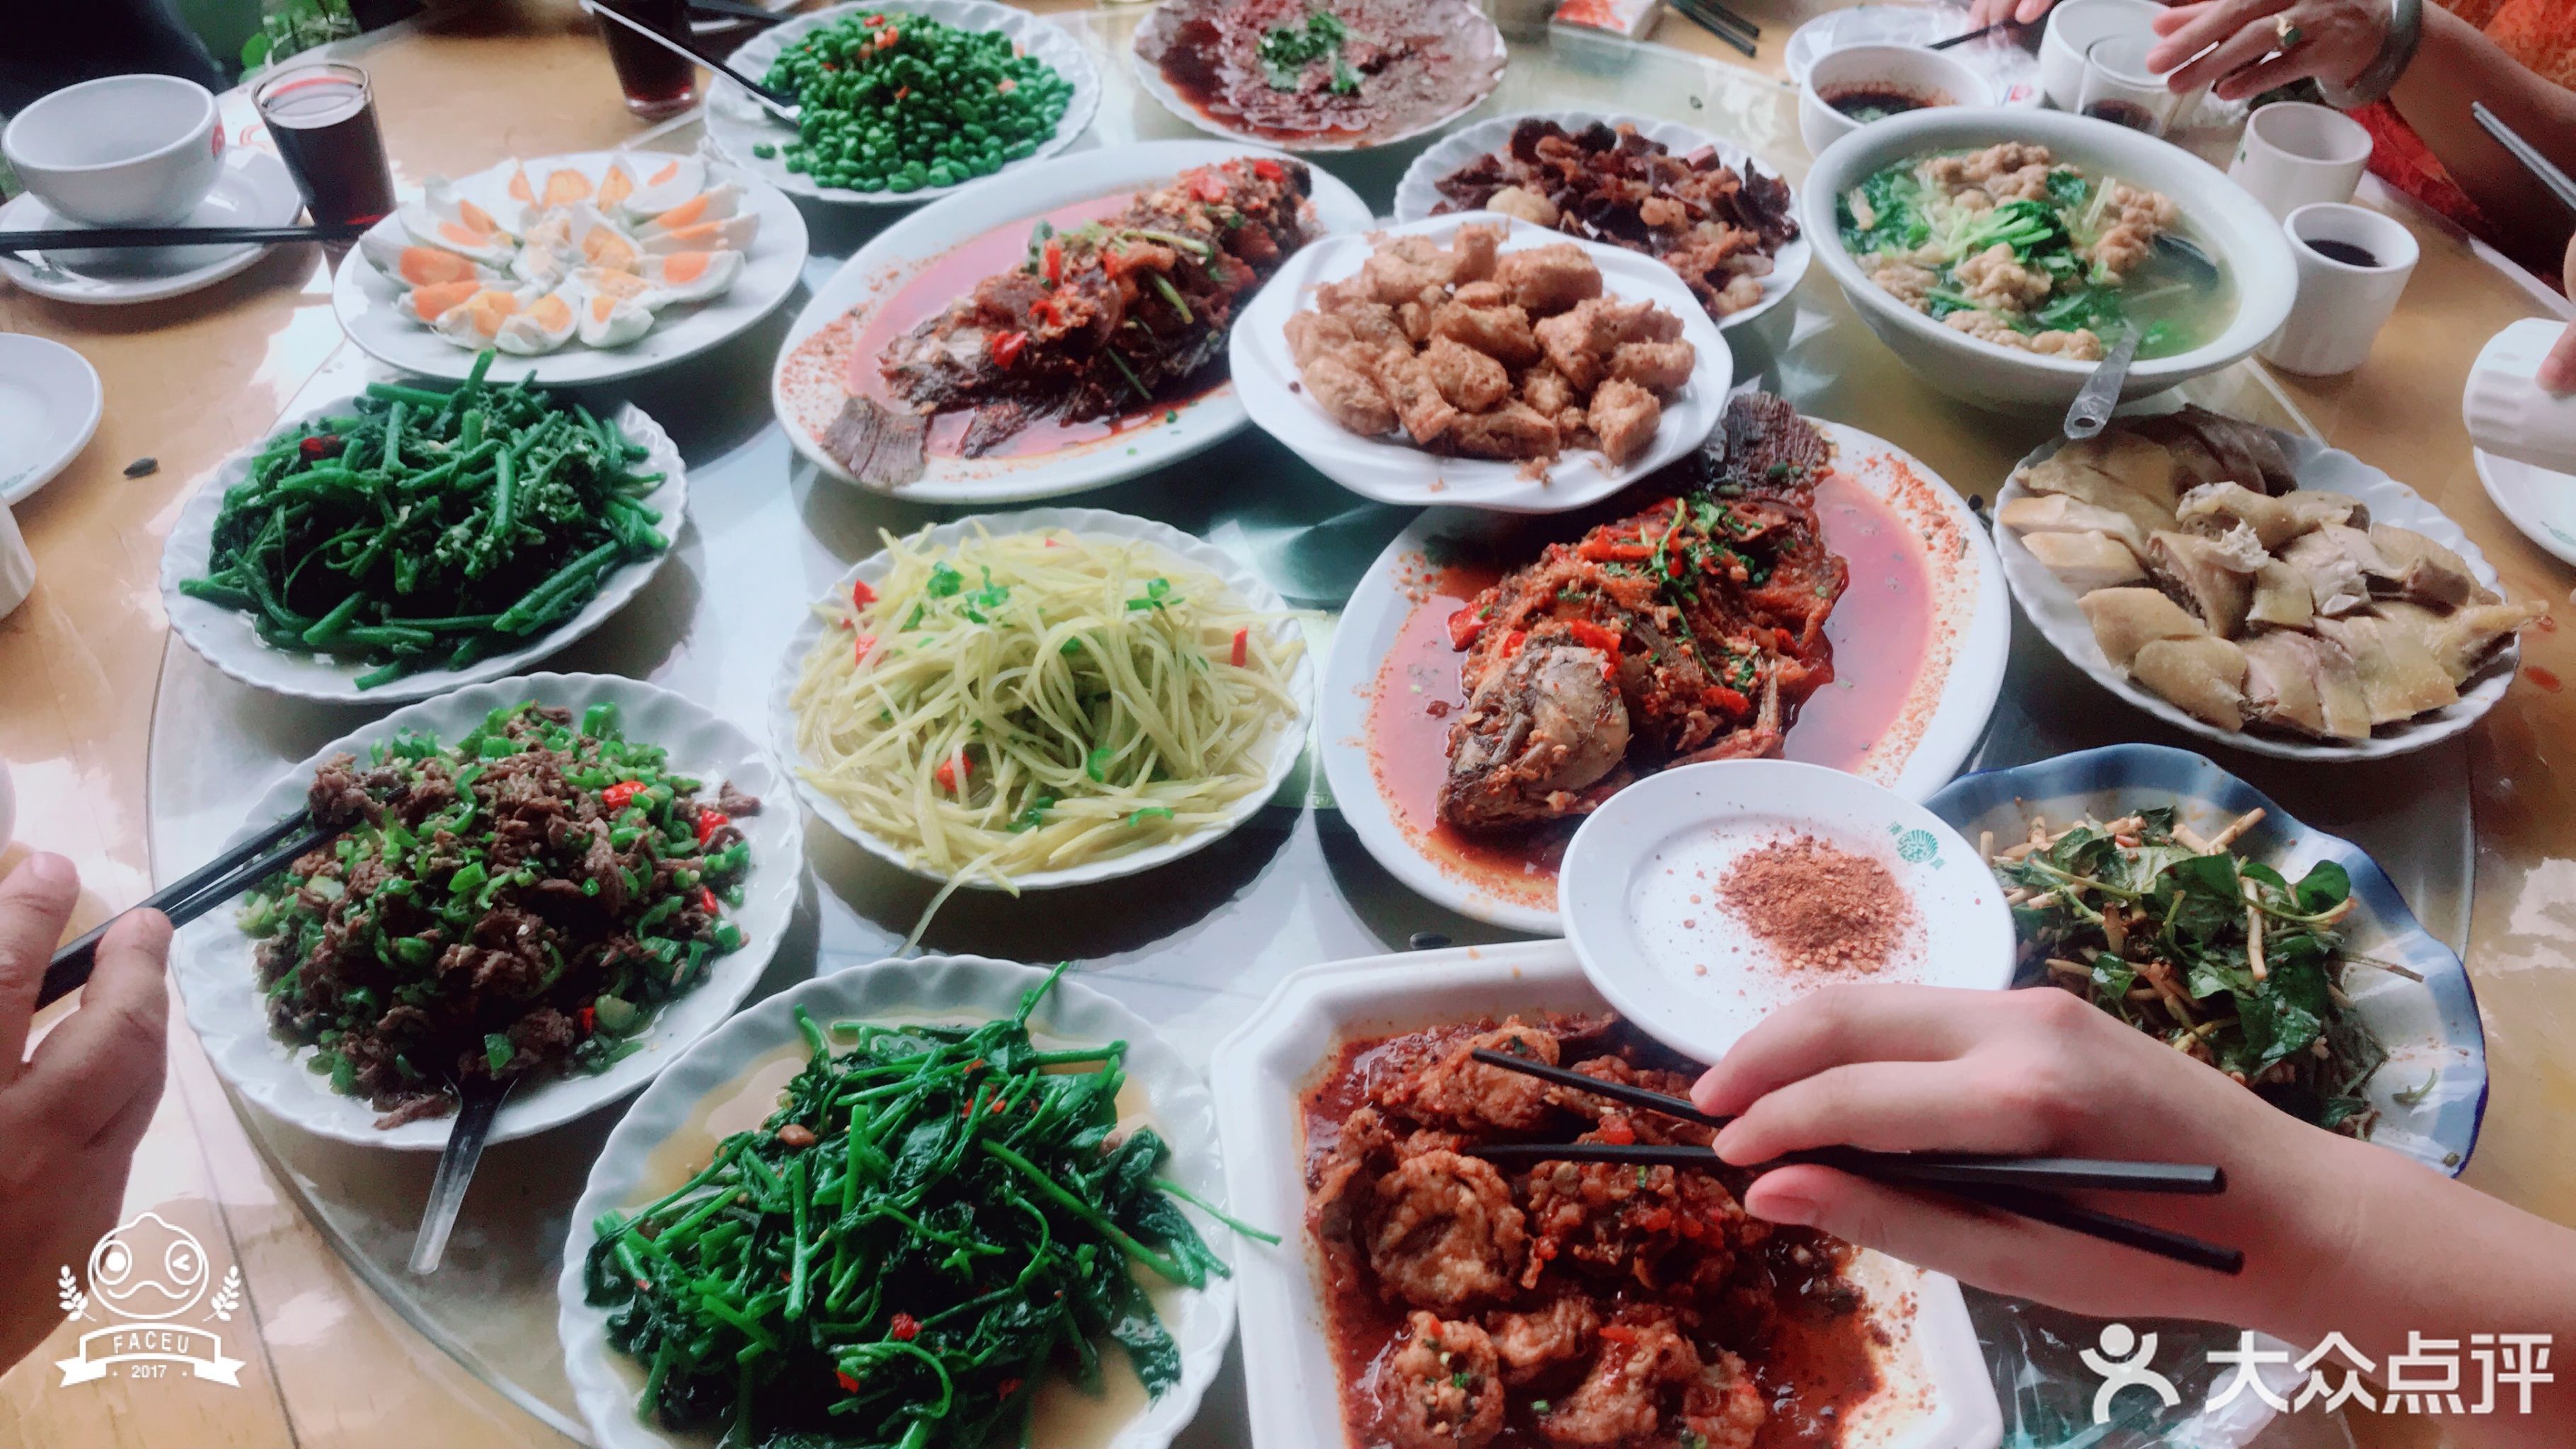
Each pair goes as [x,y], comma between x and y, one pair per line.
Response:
[2281,597]
[2086,561]
[2461,640]
[2214,507]
[2036,513]
[2212,579]
[2205,677]
[2418,569]
[2305,684]
[2127,620]
[2400,676]
[2336,561]
[2116,470]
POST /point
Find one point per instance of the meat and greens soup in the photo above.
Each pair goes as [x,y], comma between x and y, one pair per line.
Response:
[2013,247]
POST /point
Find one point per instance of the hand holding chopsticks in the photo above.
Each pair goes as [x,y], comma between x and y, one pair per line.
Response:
[194,894]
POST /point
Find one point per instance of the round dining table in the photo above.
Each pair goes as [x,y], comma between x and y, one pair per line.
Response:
[135,758]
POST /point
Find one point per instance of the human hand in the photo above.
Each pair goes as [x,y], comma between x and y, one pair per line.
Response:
[1909,1068]
[1982,13]
[2557,375]
[71,1114]
[2337,40]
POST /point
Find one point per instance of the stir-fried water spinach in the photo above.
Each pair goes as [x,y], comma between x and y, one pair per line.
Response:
[2221,957]
[934,1220]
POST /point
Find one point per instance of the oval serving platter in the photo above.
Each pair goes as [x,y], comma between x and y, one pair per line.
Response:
[1391,662]
[1481,50]
[807,389]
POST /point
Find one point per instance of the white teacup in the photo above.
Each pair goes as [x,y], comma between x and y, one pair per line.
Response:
[2342,302]
[2294,154]
[1907,72]
[2073,27]
[123,150]
[2507,412]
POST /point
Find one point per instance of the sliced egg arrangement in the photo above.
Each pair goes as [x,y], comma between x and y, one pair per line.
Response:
[567,255]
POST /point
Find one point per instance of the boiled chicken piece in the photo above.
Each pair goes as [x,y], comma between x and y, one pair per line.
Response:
[2204,676]
[1539,731]
[2086,561]
[2212,447]
[2303,683]
[2115,470]
[2420,570]
[2127,620]
[2281,597]
[2212,578]
[2337,562]
[2461,640]
[2037,513]
[2214,507]
[2400,676]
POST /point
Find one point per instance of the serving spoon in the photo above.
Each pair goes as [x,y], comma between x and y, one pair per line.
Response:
[2094,402]
[478,1101]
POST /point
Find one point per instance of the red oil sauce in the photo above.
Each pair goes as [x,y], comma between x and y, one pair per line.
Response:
[1881,628]
[954,274]
[1811,1356]
[2542,677]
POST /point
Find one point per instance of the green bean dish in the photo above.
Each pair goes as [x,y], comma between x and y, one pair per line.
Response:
[934,1220]
[895,102]
[429,529]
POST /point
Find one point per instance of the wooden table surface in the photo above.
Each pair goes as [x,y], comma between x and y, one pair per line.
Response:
[189,380]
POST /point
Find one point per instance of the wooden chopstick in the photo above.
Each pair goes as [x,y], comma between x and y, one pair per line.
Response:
[121,238]
[194,894]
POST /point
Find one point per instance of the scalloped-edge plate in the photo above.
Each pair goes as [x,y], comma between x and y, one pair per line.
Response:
[808,397]
[212,967]
[2539,502]
[736,123]
[1418,192]
[1933,1391]
[224,638]
[1393,471]
[1287,746]
[1953,696]
[369,304]
[1474,29]
[2052,606]
[2430,1028]
[924,988]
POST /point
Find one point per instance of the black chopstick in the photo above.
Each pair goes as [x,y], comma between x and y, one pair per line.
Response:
[194,894]
[2541,168]
[735,10]
[127,237]
[1927,1169]
[777,101]
[1978,34]
[2057,1212]
[1721,22]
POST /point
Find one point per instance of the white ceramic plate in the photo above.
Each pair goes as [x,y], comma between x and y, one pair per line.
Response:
[224,638]
[1390,469]
[50,404]
[1287,746]
[1968,635]
[1933,1389]
[1418,193]
[369,304]
[808,395]
[2539,502]
[1480,46]
[2052,606]
[736,123]
[218,983]
[254,189]
[926,988]
[2014,70]
[1644,913]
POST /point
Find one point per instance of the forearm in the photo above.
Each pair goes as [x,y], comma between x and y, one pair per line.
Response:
[2430,1256]
[2457,64]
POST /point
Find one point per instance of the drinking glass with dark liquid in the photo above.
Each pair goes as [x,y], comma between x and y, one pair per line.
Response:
[323,118]
[658,84]
[2120,89]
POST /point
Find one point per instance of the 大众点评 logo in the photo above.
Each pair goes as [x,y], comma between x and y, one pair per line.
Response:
[143,1276]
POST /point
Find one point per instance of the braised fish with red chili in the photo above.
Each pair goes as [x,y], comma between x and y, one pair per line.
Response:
[1691,630]
[1098,321]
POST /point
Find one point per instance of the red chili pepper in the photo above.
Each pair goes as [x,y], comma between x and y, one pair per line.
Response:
[709,822]
[708,903]
[953,772]
[589,1019]
[616,796]
[849,1385]
[862,645]
[1722,697]
[1617,1132]
[900,91]
[1593,636]
[905,1328]
[1005,346]
[1513,641]
[860,594]
[1618,1333]
[1464,626]
[1242,647]
[1205,185]
[1006,1388]
[323,445]
[1266,169]
[1045,310]
[887,37]
[1054,256]
[1605,550]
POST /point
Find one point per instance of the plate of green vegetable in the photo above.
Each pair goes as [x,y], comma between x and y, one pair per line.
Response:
[905,101]
[406,539]
[609,986]
[1024,1252]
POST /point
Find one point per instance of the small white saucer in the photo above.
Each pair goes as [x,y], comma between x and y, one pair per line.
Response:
[2539,502]
[50,402]
[1640,894]
[254,190]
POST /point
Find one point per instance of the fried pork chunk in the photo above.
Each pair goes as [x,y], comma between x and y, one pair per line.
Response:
[1476,352]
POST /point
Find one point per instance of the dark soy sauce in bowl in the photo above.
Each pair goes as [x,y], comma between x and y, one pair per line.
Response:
[2343,251]
[1866,103]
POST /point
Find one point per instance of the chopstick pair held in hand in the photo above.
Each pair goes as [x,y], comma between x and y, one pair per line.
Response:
[194,894]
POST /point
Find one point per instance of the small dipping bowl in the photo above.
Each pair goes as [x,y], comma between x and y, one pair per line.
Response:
[1907,77]
[122,150]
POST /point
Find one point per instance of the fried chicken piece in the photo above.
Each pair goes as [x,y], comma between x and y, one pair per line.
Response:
[1546,390]
[1399,269]
[1459,1091]
[1409,385]
[1663,1230]
[1473,249]
[1534,1346]
[1501,333]
[1470,380]
[1350,395]
[1313,334]
[1444,1233]
[1513,430]
[1621,1400]
[1579,343]
[1623,418]
[1440,1388]
[1723,1405]
[1549,279]
[1658,367]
